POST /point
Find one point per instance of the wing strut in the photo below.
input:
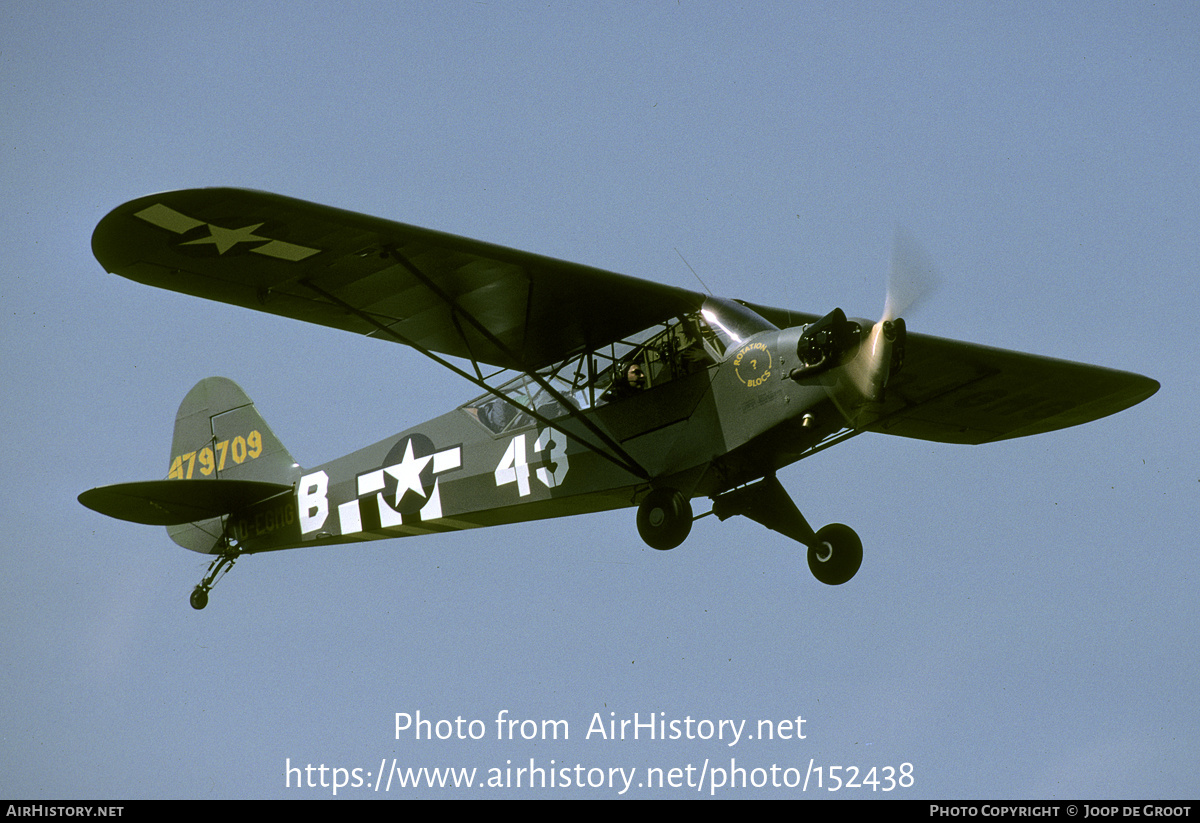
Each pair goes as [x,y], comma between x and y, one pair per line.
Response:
[621,458]
[626,460]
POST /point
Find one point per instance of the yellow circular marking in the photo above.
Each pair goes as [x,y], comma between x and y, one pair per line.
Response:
[752,364]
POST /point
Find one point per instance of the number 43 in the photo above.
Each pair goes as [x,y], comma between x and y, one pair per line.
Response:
[550,469]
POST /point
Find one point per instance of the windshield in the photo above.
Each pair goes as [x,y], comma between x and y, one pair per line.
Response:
[732,322]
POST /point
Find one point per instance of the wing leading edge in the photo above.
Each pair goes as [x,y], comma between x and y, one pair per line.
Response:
[436,291]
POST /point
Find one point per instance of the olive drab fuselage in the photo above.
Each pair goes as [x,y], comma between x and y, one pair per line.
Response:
[734,416]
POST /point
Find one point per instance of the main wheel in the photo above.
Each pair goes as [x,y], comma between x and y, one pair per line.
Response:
[837,558]
[664,519]
[199,598]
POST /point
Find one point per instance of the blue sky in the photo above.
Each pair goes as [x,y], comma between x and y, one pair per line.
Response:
[1024,622]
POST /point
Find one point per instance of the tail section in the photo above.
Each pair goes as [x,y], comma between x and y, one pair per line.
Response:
[219,435]
[225,460]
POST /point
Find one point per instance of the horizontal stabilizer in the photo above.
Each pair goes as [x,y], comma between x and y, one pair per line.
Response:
[174,502]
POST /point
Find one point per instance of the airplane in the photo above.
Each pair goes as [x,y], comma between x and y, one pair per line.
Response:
[599,391]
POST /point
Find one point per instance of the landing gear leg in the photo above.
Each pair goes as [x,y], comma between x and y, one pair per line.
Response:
[217,569]
[834,552]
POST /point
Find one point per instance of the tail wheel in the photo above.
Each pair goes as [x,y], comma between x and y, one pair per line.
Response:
[664,519]
[217,569]
[199,598]
[836,556]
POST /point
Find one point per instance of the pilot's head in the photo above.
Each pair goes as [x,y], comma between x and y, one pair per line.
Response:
[635,377]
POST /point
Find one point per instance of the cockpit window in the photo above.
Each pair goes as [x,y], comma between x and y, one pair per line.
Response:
[652,358]
[676,350]
[500,415]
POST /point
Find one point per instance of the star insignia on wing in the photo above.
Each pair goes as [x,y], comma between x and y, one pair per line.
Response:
[221,238]
[226,239]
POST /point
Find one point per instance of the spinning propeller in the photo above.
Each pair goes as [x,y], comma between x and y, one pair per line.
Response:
[911,277]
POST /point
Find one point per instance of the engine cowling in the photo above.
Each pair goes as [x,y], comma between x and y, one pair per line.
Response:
[822,344]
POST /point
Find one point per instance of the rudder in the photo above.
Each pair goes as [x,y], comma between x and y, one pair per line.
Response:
[219,434]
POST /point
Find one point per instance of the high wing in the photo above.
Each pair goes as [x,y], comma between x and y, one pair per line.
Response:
[435,291]
[948,391]
[492,305]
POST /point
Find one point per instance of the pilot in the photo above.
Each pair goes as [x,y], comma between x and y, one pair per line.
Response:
[635,378]
[497,413]
[632,381]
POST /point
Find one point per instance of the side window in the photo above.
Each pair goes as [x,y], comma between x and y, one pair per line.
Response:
[499,415]
[683,347]
[656,356]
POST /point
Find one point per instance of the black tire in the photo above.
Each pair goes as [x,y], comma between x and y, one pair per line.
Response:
[199,598]
[664,519]
[842,551]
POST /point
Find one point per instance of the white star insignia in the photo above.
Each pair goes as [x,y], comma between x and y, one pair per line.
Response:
[408,473]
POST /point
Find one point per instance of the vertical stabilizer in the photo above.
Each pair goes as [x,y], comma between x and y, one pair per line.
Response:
[219,435]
